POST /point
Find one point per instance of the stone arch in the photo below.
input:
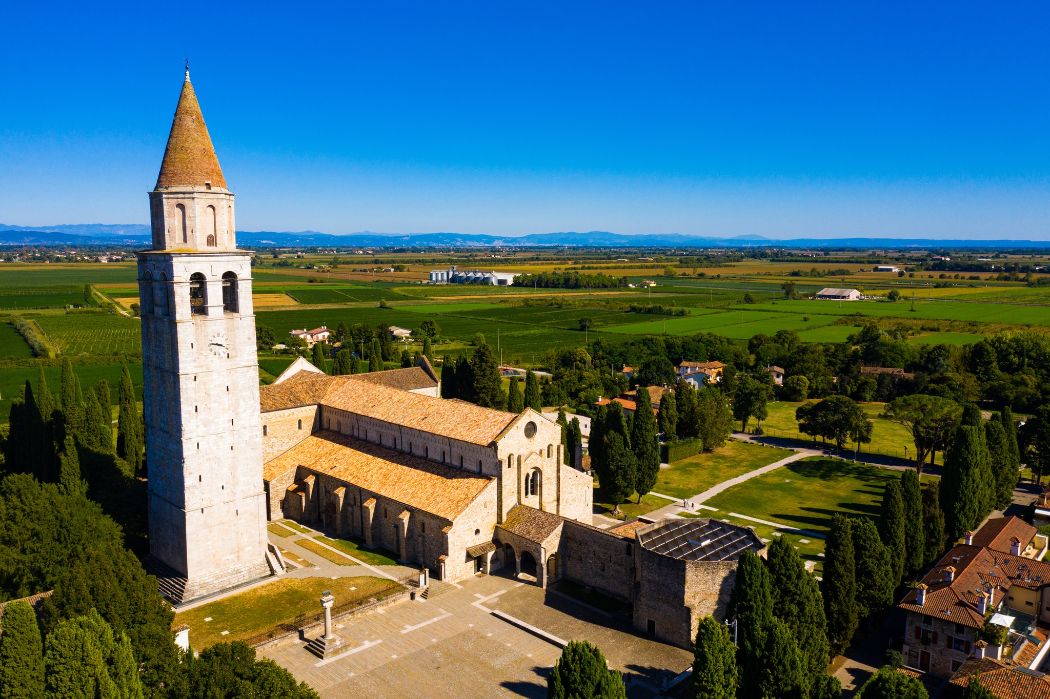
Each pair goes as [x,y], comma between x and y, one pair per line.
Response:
[533,481]
[508,557]
[528,565]
[210,228]
[229,292]
[198,294]
[552,568]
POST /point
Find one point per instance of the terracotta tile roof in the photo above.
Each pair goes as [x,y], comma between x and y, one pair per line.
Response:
[890,370]
[358,394]
[629,529]
[454,419]
[417,483]
[626,403]
[997,533]
[976,569]
[530,523]
[703,365]
[189,158]
[406,379]
[1002,680]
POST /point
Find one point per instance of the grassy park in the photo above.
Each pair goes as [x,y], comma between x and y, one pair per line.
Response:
[688,477]
[275,604]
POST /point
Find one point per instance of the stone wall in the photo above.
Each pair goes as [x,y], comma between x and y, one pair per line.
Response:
[283,429]
[577,494]
[947,644]
[597,559]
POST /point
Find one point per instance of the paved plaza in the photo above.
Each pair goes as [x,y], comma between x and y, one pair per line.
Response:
[453,646]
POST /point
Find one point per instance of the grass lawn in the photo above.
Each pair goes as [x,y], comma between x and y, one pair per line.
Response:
[296,559]
[275,528]
[263,608]
[350,548]
[806,493]
[696,474]
[296,526]
[887,437]
[632,508]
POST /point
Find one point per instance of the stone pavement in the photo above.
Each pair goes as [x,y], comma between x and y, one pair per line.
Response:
[452,646]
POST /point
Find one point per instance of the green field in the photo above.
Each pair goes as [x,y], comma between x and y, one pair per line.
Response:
[13,378]
[689,477]
[1012,314]
[13,345]
[48,297]
[740,323]
[946,338]
[93,334]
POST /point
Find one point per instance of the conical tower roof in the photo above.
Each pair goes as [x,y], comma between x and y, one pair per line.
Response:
[189,158]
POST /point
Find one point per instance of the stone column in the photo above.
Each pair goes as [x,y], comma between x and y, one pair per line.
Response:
[368,509]
[517,564]
[325,645]
[327,601]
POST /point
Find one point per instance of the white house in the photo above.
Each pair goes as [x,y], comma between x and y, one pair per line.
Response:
[397,333]
[830,294]
[314,336]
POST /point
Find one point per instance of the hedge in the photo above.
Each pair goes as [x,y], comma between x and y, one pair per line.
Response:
[681,449]
[38,342]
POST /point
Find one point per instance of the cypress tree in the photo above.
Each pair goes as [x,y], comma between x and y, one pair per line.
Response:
[714,662]
[72,399]
[464,380]
[1001,461]
[645,444]
[124,670]
[873,568]
[130,431]
[27,447]
[933,523]
[21,653]
[965,489]
[105,398]
[533,399]
[317,357]
[783,673]
[667,419]
[487,389]
[616,421]
[620,471]
[69,476]
[914,531]
[826,687]
[449,388]
[887,683]
[515,400]
[892,525]
[714,418]
[575,442]
[75,662]
[428,349]
[596,443]
[406,359]
[751,606]
[101,421]
[840,584]
[685,425]
[44,400]
[797,602]
[582,673]
[341,366]
[375,356]
[1006,419]
[355,366]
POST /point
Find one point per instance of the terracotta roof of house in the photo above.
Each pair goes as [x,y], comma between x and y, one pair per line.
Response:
[703,365]
[189,158]
[891,370]
[976,569]
[379,400]
[416,482]
[656,393]
[997,533]
[626,403]
[1002,680]
[530,523]
[774,369]
[31,600]
[629,529]
[406,379]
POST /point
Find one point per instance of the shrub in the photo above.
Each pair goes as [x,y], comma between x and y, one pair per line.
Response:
[681,449]
[36,339]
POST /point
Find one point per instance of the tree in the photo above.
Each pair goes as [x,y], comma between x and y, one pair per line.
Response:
[797,602]
[645,444]
[429,329]
[620,467]
[795,388]
[72,399]
[655,370]
[582,673]
[893,295]
[931,420]
[714,421]
[375,356]
[826,687]
[750,401]
[790,292]
[449,387]
[840,584]
[1004,472]
[532,392]
[892,527]
[21,653]
[428,348]
[28,443]
[837,418]
[751,606]
[98,429]
[914,529]
[667,417]
[976,690]
[783,674]
[342,364]
[317,357]
[515,399]
[130,430]
[933,523]
[464,379]
[69,478]
[75,662]
[686,425]
[574,443]
[873,568]
[232,670]
[888,683]
[965,489]
[487,390]
[1036,437]
[1006,419]
[714,661]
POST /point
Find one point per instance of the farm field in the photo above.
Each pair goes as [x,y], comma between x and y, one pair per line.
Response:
[807,493]
[13,345]
[93,334]
[979,312]
[13,378]
[946,338]
[688,477]
[45,297]
[737,323]
[887,438]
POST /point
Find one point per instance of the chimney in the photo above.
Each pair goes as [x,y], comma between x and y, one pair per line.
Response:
[980,649]
[969,539]
[920,594]
[949,574]
[1015,546]
[982,606]
[995,652]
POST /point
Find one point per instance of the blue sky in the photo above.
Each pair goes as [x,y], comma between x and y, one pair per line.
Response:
[776,119]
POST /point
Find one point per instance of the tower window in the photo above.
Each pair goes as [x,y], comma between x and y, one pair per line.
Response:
[300,424]
[264,430]
[180,221]
[229,292]
[198,294]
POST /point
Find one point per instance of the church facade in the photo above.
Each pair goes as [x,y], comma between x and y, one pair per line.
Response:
[374,457]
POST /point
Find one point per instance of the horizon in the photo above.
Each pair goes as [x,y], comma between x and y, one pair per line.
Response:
[823,122]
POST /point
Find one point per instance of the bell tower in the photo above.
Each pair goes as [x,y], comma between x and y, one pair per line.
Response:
[207,526]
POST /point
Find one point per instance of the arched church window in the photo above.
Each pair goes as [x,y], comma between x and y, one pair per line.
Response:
[198,294]
[210,229]
[229,292]
[532,483]
[550,450]
[300,424]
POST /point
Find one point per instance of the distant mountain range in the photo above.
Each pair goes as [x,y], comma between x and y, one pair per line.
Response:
[138,234]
